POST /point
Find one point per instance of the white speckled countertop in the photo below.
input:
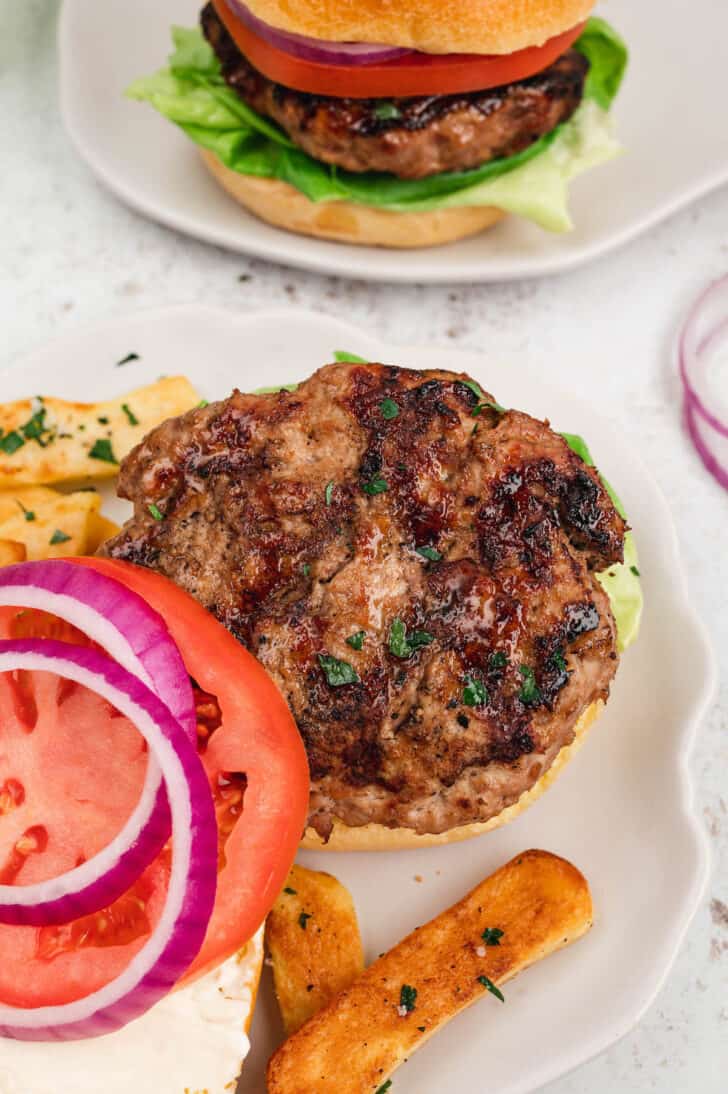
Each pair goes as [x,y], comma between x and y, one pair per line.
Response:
[71,254]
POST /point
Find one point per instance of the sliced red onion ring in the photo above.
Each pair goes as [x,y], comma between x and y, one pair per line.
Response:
[316,49]
[704,333]
[136,637]
[180,931]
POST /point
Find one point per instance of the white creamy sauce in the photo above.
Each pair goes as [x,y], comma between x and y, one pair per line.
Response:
[192,1042]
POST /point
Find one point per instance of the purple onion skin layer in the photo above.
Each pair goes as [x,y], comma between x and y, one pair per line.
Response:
[147,978]
[315,49]
[692,347]
[140,625]
[148,640]
[710,461]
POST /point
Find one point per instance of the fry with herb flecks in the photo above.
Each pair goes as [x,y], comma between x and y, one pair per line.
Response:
[46,440]
[313,938]
[49,524]
[531,907]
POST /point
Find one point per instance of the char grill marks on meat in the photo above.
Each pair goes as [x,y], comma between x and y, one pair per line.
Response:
[414,137]
[463,542]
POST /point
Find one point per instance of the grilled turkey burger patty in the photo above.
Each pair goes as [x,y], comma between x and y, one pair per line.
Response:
[414,567]
[415,137]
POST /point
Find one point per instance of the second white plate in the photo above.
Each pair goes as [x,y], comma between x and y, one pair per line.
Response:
[676,147]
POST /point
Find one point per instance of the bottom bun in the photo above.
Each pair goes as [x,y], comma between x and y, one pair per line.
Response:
[375,837]
[282,205]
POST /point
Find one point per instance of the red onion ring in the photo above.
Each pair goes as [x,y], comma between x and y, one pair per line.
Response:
[179,934]
[316,49]
[705,330]
[136,637]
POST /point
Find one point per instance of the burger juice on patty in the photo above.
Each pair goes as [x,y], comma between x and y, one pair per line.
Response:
[433,582]
[471,145]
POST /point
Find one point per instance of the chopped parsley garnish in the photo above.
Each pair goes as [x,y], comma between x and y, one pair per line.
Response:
[475,388]
[202,404]
[408,997]
[345,358]
[559,661]
[389,410]
[498,660]
[492,936]
[487,406]
[356,641]
[529,692]
[35,429]
[387,111]
[384,1087]
[103,421]
[155,511]
[102,450]
[338,673]
[430,553]
[58,537]
[303,919]
[27,513]
[482,401]
[289,890]
[491,987]
[329,492]
[130,415]
[10,443]
[376,485]
[126,360]
[404,645]
[634,570]
[475,693]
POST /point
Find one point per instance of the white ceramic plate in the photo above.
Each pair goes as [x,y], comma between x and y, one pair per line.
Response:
[622,811]
[669,114]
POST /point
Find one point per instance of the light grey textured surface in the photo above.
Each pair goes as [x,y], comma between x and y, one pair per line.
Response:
[71,254]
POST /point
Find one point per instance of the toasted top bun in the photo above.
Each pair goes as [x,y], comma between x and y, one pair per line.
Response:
[433,26]
[375,837]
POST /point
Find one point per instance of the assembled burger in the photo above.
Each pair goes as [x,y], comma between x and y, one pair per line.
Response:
[401,125]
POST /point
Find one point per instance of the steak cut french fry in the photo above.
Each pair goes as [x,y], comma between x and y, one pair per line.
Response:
[531,907]
[11,552]
[313,938]
[50,524]
[48,440]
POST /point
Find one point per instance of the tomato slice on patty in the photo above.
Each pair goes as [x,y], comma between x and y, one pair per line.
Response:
[71,771]
[413,74]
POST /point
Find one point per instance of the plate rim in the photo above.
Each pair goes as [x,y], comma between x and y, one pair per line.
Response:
[366,268]
[564,1060]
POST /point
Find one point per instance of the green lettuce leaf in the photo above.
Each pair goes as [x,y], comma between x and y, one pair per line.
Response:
[191,92]
[621,583]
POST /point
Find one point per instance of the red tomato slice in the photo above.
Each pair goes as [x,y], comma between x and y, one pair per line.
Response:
[250,749]
[414,74]
[71,771]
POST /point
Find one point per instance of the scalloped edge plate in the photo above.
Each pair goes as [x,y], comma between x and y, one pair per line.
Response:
[622,811]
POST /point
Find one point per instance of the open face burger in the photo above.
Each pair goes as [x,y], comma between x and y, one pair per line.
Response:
[440,587]
[401,124]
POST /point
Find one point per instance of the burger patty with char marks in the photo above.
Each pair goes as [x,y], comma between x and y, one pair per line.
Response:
[414,137]
[414,567]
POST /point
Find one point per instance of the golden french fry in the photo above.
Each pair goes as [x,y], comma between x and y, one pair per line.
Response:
[313,938]
[48,524]
[11,552]
[100,528]
[538,901]
[50,440]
